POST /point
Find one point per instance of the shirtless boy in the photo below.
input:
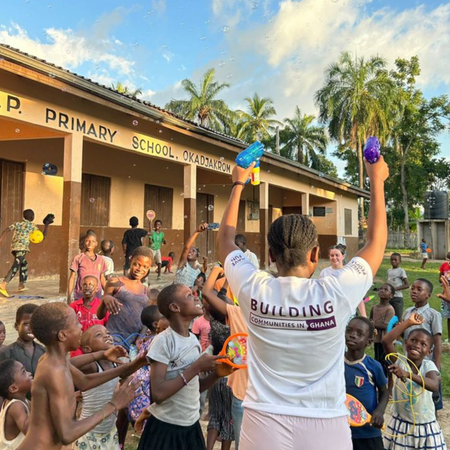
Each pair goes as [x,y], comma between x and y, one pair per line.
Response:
[53,423]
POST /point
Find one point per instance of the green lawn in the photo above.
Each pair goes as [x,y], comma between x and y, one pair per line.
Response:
[414,271]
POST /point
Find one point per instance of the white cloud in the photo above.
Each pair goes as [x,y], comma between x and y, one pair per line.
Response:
[147,94]
[167,55]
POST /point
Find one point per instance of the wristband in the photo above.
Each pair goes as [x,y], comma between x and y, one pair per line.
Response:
[238,183]
[183,378]
[113,405]
[103,415]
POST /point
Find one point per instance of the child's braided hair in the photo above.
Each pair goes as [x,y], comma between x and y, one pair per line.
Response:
[290,238]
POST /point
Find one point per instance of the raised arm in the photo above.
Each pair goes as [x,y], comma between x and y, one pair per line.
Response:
[227,229]
[189,243]
[376,237]
[389,338]
[209,293]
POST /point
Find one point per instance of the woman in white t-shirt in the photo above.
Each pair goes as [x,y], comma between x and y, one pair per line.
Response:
[296,390]
[336,254]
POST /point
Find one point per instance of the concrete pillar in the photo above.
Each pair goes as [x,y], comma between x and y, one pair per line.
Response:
[71,212]
[190,200]
[305,204]
[264,224]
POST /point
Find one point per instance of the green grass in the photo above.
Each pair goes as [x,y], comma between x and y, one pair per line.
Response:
[402,251]
[413,270]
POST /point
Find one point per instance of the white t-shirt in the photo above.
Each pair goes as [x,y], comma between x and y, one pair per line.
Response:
[396,277]
[109,264]
[252,258]
[327,272]
[424,409]
[297,336]
[178,352]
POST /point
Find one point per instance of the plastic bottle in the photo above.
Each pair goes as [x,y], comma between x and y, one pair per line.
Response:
[255,174]
[372,150]
[250,154]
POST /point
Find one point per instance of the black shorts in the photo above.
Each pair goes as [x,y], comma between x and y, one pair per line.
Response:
[160,435]
[368,444]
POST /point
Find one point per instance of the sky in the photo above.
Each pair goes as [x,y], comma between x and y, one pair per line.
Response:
[279,49]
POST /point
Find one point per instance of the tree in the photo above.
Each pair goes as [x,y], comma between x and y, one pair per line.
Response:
[203,106]
[122,89]
[257,121]
[416,124]
[303,140]
[355,102]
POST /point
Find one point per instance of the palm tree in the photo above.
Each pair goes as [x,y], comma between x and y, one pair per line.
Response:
[202,106]
[257,121]
[302,140]
[355,103]
[122,89]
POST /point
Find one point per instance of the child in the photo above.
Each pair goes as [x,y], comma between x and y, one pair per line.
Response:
[132,239]
[126,297]
[296,324]
[52,420]
[238,381]
[198,285]
[149,317]
[15,384]
[426,432]
[2,335]
[398,278]
[107,251]
[156,241]
[86,308]
[86,263]
[25,349]
[104,435]
[175,385]
[153,296]
[167,261]
[201,328]
[444,271]
[241,241]
[187,270]
[380,315]
[20,246]
[366,381]
[424,251]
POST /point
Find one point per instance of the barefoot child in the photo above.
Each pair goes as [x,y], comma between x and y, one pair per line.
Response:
[187,270]
[426,433]
[15,385]
[296,392]
[366,381]
[156,242]
[175,384]
[380,315]
[20,246]
[52,420]
[126,297]
[25,350]
[132,239]
[86,263]
[167,261]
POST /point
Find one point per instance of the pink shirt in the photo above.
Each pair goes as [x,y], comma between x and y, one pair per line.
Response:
[83,265]
[202,327]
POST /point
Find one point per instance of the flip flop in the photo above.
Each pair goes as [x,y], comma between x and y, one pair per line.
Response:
[23,289]
[4,292]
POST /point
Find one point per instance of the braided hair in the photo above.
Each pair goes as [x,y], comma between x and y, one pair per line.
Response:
[290,238]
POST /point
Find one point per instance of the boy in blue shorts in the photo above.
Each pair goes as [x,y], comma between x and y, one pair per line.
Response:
[366,381]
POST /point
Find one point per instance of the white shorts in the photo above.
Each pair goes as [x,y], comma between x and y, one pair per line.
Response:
[265,431]
[424,255]
[156,256]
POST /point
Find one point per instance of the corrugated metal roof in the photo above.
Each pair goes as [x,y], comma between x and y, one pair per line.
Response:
[149,109]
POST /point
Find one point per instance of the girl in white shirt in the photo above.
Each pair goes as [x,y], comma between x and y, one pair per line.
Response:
[296,391]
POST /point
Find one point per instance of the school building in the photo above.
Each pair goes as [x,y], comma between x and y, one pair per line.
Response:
[118,157]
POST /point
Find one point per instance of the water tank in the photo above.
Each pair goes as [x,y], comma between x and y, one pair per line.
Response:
[436,205]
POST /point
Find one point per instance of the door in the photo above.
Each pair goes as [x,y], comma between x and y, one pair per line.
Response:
[205,213]
[11,206]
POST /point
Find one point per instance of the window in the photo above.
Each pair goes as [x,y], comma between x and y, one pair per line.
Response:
[348,221]
[160,200]
[319,211]
[95,194]
[253,210]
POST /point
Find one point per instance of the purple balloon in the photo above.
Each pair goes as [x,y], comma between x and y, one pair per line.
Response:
[372,150]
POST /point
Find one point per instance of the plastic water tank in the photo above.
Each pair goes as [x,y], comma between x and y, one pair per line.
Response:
[436,205]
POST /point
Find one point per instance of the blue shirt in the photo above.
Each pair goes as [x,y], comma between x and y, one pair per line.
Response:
[362,380]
